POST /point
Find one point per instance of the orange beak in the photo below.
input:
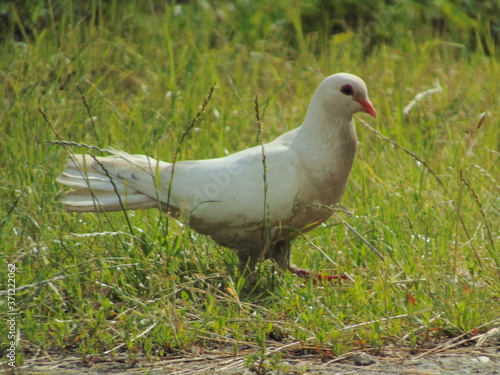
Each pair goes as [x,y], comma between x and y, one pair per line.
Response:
[368,107]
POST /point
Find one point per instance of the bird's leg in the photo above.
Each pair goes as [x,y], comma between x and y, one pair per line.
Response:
[317,277]
[247,262]
[280,253]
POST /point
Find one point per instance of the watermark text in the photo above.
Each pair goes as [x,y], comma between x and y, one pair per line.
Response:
[11,316]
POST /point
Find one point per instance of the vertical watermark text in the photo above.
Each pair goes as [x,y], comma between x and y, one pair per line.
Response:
[11,316]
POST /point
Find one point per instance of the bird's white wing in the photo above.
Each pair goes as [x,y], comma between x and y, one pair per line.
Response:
[231,191]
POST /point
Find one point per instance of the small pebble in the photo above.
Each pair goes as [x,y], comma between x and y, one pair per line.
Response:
[483,359]
[490,338]
[363,359]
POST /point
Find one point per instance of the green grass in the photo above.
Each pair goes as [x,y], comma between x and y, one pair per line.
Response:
[158,288]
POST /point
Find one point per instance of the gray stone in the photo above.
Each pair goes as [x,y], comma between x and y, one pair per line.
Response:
[363,359]
[490,338]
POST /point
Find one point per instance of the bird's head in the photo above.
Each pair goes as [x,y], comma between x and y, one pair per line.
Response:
[345,93]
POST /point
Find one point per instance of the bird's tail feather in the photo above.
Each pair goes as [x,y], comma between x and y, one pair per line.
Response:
[102,184]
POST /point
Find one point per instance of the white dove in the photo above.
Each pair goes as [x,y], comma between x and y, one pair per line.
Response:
[255,201]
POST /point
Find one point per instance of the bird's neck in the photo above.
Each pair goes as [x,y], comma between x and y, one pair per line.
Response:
[329,134]
[328,147]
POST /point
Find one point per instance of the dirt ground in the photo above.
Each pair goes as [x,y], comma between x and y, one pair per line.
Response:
[472,360]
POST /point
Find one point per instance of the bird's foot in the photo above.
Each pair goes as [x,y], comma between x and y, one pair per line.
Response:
[317,277]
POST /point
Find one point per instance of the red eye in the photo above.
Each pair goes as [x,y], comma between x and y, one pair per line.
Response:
[347,90]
